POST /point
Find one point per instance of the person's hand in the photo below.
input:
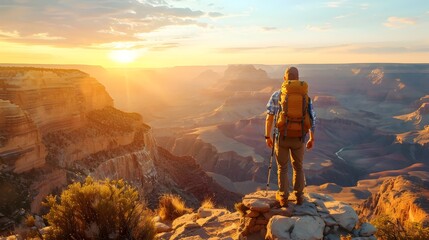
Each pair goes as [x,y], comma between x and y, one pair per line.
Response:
[269,142]
[310,143]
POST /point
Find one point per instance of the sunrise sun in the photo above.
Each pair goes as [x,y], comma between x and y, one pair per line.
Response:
[123,56]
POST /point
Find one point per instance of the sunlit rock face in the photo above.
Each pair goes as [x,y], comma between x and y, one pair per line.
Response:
[21,147]
[403,198]
[54,99]
[62,123]
[36,102]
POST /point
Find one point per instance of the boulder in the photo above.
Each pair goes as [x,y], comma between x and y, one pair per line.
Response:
[367,230]
[302,227]
[343,214]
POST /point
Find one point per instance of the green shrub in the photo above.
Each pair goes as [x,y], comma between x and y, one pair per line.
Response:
[171,207]
[99,210]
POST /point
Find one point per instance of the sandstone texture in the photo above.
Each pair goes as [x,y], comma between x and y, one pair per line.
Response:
[403,198]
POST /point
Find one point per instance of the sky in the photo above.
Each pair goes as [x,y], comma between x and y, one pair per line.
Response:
[166,33]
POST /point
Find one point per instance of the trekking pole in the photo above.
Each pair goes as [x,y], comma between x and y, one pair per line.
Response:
[272,154]
[271,164]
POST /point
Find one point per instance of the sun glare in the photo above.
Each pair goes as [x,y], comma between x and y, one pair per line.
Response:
[123,56]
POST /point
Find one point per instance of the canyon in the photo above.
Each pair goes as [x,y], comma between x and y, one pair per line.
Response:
[59,126]
[198,131]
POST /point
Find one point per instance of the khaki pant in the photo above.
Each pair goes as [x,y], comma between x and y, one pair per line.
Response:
[290,148]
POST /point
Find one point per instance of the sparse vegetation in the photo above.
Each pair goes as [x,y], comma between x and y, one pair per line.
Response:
[99,210]
[392,229]
[171,207]
[208,203]
[30,221]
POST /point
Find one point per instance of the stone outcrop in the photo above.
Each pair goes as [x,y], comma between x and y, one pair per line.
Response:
[403,198]
[319,217]
[259,217]
[205,223]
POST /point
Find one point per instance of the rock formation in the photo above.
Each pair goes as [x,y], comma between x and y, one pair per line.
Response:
[320,217]
[37,101]
[62,125]
[403,198]
[21,147]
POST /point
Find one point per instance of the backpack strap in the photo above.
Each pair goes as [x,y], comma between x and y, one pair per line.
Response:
[287,119]
[304,98]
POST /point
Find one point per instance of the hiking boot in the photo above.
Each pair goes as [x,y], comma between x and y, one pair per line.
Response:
[299,200]
[282,199]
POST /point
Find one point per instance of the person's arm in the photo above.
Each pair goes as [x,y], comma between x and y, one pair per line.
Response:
[312,113]
[272,108]
[268,126]
[310,141]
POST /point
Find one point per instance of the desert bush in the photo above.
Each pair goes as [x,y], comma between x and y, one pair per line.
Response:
[98,210]
[208,203]
[30,221]
[391,229]
[171,207]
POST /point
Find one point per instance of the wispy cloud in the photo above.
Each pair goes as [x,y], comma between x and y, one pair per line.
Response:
[215,14]
[320,28]
[398,22]
[343,16]
[87,23]
[364,6]
[268,29]
[334,4]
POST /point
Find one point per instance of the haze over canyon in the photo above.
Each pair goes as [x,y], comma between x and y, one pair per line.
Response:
[198,131]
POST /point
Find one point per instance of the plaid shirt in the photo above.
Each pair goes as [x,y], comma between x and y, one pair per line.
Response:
[273,107]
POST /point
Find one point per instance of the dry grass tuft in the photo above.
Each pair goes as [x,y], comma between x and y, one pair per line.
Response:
[208,204]
[171,207]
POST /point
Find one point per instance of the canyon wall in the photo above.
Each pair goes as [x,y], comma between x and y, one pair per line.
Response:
[21,147]
[62,125]
[59,126]
[403,198]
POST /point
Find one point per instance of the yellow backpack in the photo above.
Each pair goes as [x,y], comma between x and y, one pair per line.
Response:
[293,119]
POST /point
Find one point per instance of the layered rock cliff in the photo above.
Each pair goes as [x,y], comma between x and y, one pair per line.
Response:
[403,198]
[21,147]
[36,102]
[59,126]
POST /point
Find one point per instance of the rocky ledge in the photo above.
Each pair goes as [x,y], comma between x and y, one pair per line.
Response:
[260,217]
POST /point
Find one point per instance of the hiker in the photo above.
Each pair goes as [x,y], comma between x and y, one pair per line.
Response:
[295,117]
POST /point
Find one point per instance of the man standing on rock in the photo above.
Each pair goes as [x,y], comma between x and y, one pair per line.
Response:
[292,110]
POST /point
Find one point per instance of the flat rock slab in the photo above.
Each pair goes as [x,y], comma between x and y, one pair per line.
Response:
[260,201]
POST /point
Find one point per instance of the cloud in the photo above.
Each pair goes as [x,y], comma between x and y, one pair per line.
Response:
[215,14]
[86,23]
[364,6]
[397,22]
[268,29]
[321,28]
[334,4]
